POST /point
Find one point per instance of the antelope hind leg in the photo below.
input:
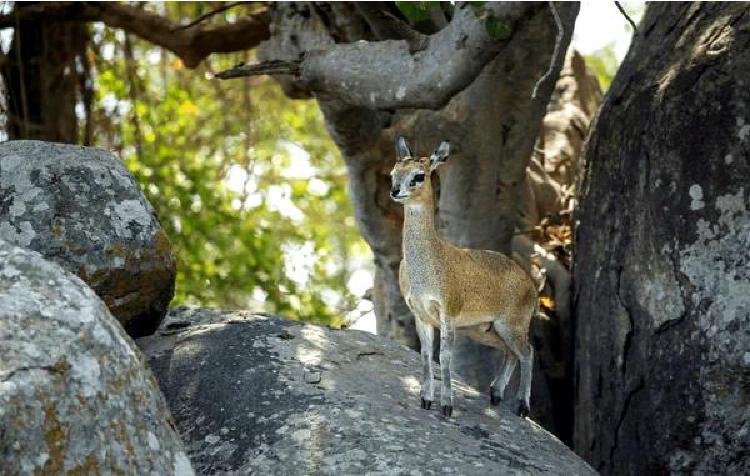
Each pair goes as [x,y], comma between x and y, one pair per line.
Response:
[525,355]
[504,372]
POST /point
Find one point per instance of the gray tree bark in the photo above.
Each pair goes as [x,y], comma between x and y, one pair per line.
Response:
[492,125]
[661,268]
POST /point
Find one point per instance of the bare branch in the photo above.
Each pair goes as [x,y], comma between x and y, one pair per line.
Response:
[386,75]
[192,45]
[627,17]
[555,52]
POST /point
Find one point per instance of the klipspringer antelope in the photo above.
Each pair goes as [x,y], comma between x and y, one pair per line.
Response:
[484,294]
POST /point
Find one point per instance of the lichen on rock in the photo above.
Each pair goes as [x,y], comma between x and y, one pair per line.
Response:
[81,208]
[75,395]
[257,394]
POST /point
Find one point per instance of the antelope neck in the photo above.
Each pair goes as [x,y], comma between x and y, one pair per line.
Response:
[419,219]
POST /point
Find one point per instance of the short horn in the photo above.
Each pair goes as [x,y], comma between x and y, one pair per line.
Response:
[402,148]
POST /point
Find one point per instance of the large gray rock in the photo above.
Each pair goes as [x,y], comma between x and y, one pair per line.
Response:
[259,395]
[662,272]
[81,208]
[75,396]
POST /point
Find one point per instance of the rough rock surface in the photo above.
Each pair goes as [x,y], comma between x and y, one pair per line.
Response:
[75,396]
[662,275]
[81,208]
[258,395]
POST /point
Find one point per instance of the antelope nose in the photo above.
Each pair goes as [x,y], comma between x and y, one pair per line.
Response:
[394,192]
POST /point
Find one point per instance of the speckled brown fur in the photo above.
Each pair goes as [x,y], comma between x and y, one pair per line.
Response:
[484,294]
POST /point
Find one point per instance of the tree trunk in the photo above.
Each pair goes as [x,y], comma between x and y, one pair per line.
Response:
[44,69]
[661,269]
[492,126]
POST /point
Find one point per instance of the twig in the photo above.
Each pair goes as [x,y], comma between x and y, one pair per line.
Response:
[366,353]
[208,15]
[271,68]
[627,17]
[555,52]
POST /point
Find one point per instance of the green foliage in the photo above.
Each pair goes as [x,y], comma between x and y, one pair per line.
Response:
[416,12]
[477,8]
[498,29]
[603,62]
[225,165]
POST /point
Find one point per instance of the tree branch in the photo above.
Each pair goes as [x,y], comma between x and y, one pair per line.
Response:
[555,52]
[274,67]
[386,75]
[627,17]
[192,44]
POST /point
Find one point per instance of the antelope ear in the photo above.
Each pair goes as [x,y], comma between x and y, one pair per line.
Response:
[440,155]
[402,148]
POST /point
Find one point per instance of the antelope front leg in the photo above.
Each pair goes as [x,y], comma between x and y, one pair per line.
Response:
[426,335]
[447,336]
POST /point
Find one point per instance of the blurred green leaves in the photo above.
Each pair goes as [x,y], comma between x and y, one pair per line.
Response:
[247,183]
[415,12]
[498,29]
[604,63]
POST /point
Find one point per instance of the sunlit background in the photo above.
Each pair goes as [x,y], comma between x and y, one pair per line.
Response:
[249,186]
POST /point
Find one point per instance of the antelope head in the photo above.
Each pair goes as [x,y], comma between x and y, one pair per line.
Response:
[410,177]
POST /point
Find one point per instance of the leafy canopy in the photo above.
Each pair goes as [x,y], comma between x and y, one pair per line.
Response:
[247,183]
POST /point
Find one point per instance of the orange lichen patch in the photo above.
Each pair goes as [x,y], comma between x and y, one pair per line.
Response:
[61,366]
[123,380]
[117,249]
[162,244]
[142,278]
[56,440]
[89,466]
[58,230]
[124,440]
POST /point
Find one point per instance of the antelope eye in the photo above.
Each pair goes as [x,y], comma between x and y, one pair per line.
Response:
[417,178]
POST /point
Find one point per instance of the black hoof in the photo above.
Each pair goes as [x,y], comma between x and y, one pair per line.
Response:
[523,409]
[494,400]
[426,404]
[446,410]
